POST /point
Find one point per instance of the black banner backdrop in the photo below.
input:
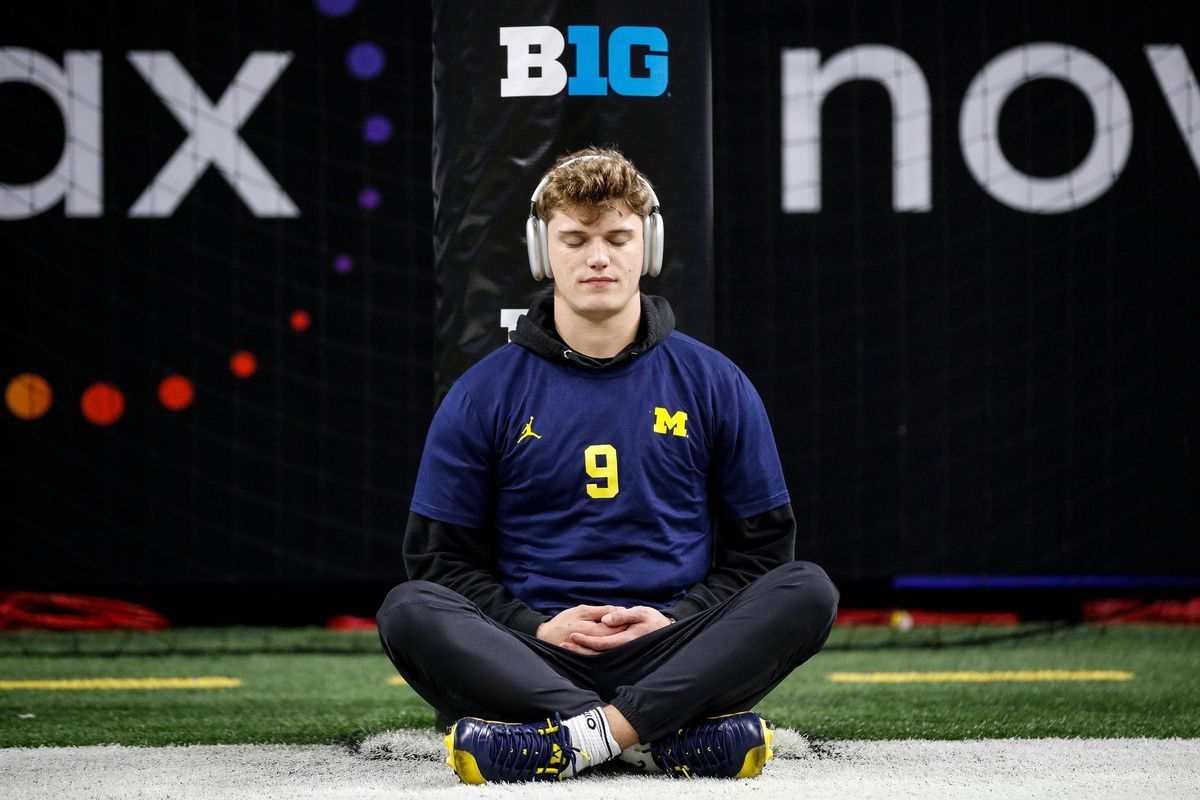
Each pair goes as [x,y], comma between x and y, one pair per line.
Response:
[957,252]
[963,378]
[287,145]
[518,84]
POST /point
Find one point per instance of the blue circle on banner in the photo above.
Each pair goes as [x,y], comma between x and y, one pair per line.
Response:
[377,129]
[369,199]
[336,8]
[365,60]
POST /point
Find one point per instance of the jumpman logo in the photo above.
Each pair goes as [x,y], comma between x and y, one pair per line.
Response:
[528,431]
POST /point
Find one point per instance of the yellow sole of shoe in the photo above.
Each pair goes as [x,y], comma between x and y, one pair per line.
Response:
[463,764]
[758,757]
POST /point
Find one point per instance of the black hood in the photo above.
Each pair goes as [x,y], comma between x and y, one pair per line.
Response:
[535,331]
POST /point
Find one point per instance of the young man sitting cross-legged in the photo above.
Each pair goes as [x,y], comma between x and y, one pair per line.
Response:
[600,543]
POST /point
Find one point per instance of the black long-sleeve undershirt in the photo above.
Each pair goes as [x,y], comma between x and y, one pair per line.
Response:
[464,559]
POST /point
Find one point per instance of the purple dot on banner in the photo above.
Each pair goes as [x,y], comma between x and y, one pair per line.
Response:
[377,129]
[336,8]
[343,264]
[365,60]
[369,199]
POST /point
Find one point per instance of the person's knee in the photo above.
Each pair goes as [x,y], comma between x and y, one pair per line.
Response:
[804,594]
[820,595]
[405,606]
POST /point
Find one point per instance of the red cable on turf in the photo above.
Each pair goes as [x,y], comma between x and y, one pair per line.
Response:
[1137,612]
[55,611]
[872,616]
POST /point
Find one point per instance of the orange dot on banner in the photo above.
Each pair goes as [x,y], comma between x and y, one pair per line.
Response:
[102,404]
[300,320]
[243,364]
[28,396]
[176,392]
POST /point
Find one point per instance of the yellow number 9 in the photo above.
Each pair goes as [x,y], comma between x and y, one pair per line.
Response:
[600,460]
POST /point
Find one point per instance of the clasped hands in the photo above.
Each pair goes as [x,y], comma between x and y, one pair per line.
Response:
[591,630]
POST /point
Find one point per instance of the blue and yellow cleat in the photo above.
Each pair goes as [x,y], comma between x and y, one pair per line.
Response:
[733,746]
[502,752]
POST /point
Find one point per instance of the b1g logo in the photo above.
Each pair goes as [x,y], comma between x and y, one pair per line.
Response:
[535,71]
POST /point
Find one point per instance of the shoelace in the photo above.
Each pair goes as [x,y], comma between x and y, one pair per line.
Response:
[705,747]
[525,752]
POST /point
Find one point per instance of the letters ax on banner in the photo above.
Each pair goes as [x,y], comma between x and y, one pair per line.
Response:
[212,139]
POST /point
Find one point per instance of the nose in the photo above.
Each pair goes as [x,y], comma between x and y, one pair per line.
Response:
[597,254]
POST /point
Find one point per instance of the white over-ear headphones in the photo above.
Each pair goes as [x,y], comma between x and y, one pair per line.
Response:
[537,237]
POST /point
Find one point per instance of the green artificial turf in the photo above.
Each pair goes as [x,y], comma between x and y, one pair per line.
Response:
[1162,699]
[311,686]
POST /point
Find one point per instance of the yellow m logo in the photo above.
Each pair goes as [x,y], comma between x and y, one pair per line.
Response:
[676,422]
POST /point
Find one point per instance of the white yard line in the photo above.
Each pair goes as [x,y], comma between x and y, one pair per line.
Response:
[408,765]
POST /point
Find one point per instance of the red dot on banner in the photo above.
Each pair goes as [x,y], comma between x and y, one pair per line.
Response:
[102,404]
[28,396]
[300,320]
[176,392]
[243,364]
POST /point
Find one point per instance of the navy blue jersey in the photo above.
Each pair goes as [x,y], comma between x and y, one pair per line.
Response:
[600,485]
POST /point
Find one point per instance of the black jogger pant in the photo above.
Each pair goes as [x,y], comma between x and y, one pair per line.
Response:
[722,660]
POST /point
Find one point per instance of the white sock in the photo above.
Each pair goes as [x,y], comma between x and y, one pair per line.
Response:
[639,756]
[590,733]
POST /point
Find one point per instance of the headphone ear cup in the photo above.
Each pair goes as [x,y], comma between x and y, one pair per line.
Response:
[652,257]
[543,232]
[535,246]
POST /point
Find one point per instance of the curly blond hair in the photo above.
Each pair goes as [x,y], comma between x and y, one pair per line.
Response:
[592,181]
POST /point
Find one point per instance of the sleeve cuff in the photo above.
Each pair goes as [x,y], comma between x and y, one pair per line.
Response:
[526,621]
[686,607]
